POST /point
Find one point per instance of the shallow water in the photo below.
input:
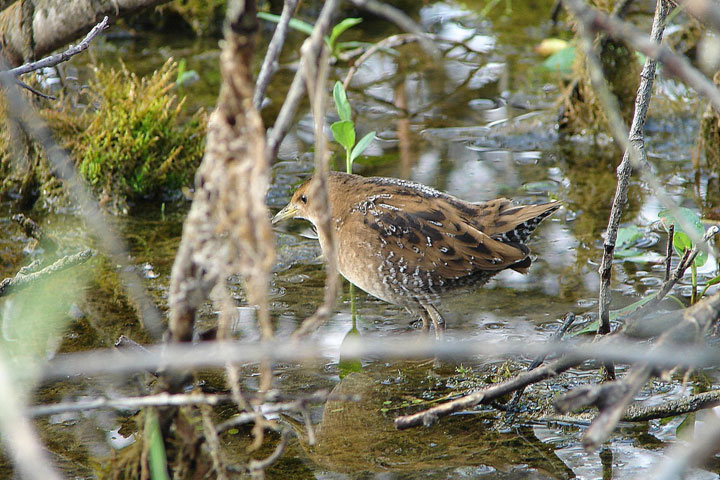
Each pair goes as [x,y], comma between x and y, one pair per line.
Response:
[482,125]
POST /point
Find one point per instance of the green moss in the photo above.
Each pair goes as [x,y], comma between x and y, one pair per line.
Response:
[129,143]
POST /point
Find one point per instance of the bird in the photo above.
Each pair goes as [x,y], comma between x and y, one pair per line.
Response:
[410,245]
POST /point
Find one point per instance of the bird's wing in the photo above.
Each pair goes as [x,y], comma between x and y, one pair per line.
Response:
[436,238]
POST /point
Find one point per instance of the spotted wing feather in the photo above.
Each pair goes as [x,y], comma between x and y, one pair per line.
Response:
[440,241]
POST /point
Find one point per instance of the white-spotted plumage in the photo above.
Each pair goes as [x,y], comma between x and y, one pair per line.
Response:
[408,244]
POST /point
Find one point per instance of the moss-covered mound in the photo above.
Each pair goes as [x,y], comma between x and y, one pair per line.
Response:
[129,141]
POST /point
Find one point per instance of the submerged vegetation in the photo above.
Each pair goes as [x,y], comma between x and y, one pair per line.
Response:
[129,140]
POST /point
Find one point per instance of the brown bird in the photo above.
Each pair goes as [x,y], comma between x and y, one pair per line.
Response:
[409,244]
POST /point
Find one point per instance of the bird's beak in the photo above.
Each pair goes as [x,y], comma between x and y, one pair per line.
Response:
[288,212]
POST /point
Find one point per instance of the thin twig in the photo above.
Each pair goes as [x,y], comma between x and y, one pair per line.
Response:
[389,42]
[308,425]
[259,465]
[685,261]
[399,18]
[684,455]
[633,143]
[669,251]
[53,60]
[130,403]
[316,78]
[211,354]
[293,406]
[213,442]
[704,10]
[695,323]
[568,320]
[30,89]
[270,62]
[431,415]
[673,63]
[295,94]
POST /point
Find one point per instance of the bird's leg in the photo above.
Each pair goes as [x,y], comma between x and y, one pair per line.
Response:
[425,319]
[437,319]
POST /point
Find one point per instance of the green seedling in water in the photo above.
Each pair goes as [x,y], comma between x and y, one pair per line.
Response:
[682,242]
[336,48]
[344,130]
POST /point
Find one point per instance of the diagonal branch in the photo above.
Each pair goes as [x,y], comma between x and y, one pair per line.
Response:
[58,58]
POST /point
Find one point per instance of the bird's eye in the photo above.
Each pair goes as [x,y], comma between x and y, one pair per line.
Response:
[303,198]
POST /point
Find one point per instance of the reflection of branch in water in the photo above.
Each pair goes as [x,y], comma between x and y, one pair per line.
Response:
[21,280]
[32,229]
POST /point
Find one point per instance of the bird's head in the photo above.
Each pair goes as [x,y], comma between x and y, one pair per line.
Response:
[301,205]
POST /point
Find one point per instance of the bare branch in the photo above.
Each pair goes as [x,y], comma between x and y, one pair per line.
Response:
[53,60]
[633,143]
[389,42]
[568,320]
[399,18]
[669,251]
[672,408]
[213,442]
[311,53]
[130,403]
[685,455]
[30,89]
[259,465]
[695,322]
[687,259]
[316,79]
[487,395]
[270,63]
[675,64]
[210,354]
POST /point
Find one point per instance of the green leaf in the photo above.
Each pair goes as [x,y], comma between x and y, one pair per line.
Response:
[614,314]
[561,61]
[627,237]
[362,145]
[298,25]
[156,451]
[629,253]
[709,284]
[681,242]
[344,133]
[682,239]
[713,281]
[340,28]
[342,105]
